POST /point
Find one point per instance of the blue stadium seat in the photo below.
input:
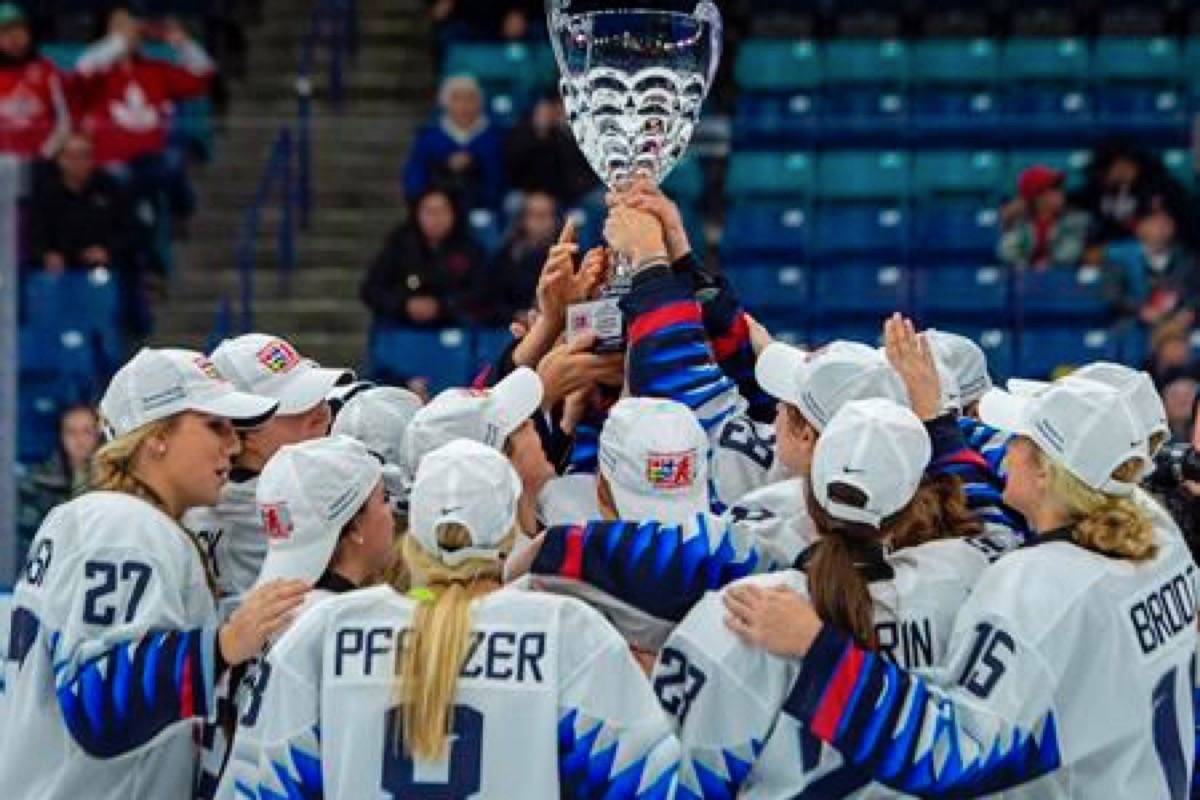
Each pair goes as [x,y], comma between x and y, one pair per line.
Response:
[956,62]
[1056,61]
[487,228]
[1147,113]
[869,290]
[1150,60]
[957,229]
[1049,115]
[62,359]
[998,346]
[83,301]
[775,292]
[855,176]
[862,115]
[765,175]
[760,229]
[968,117]
[1042,351]
[443,357]
[685,183]
[871,61]
[868,231]
[866,331]
[961,292]
[487,344]
[777,65]
[778,120]
[1058,293]
[978,173]
[38,407]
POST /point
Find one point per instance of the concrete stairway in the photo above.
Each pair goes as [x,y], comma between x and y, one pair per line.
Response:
[356,160]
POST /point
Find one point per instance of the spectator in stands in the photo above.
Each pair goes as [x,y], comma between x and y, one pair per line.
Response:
[1153,277]
[1179,396]
[80,215]
[126,100]
[541,155]
[1040,230]
[34,116]
[518,264]
[1171,352]
[461,152]
[1121,180]
[430,271]
[485,19]
[65,475]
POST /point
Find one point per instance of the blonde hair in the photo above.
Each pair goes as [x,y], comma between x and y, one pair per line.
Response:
[1109,524]
[112,464]
[434,649]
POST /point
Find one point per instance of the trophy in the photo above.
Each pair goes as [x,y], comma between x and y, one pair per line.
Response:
[633,81]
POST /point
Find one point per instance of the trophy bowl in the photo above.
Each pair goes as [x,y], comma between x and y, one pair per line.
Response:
[633,81]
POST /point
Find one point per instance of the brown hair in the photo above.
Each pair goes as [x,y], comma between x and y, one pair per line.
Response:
[839,592]
[434,649]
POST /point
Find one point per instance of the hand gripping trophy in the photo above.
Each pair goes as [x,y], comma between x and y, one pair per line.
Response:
[633,81]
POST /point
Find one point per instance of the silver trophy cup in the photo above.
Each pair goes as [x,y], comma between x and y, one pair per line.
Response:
[633,83]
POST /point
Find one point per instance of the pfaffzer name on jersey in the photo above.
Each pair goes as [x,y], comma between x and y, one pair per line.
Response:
[495,655]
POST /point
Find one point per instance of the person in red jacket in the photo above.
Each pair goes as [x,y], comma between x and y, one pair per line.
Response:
[126,100]
[34,117]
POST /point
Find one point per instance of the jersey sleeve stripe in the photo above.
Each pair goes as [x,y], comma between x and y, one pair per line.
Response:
[572,565]
[837,698]
[670,314]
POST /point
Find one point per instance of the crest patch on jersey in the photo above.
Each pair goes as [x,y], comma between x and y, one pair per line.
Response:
[277,519]
[278,356]
[671,470]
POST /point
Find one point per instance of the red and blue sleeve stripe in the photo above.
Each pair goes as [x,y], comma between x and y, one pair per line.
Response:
[894,727]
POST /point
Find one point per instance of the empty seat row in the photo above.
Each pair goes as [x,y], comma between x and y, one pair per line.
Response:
[788,65]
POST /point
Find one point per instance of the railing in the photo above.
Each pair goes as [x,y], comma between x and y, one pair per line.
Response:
[288,170]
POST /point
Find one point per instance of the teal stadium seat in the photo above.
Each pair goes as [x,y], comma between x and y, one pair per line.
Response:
[1057,61]
[977,173]
[770,65]
[955,62]
[1181,164]
[853,176]
[1073,162]
[768,175]
[1154,60]
[1190,62]
[514,69]
[873,62]
[685,183]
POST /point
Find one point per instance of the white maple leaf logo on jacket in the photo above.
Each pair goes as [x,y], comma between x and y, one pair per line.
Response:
[134,112]
[20,108]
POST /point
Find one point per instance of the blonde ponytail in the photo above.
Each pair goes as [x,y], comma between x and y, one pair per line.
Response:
[436,646]
[1105,523]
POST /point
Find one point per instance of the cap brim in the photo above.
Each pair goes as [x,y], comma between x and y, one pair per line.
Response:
[242,409]
[308,388]
[675,509]
[1005,411]
[775,370]
[517,397]
[302,563]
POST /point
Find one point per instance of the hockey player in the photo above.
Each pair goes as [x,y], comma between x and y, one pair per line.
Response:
[1068,671]
[461,688]
[116,646]
[232,530]
[878,570]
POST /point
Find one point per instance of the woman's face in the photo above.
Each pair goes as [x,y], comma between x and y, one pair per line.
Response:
[794,442]
[1025,488]
[278,431]
[80,436]
[376,528]
[539,217]
[194,458]
[14,41]
[464,105]
[435,217]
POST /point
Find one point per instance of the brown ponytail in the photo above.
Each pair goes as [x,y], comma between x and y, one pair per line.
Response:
[838,590]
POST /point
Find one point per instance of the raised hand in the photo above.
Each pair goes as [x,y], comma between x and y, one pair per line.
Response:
[910,355]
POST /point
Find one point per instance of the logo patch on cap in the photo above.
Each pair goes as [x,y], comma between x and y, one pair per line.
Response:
[278,356]
[207,367]
[671,470]
[277,519]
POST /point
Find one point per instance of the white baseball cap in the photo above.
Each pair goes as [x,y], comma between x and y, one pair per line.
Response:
[1087,427]
[949,396]
[1136,386]
[487,416]
[379,418]
[655,456]
[965,360]
[820,382]
[270,366]
[471,484]
[880,448]
[305,496]
[156,384]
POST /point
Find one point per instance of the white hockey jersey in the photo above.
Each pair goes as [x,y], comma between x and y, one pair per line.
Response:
[549,696]
[776,519]
[728,697]
[236,540]
[1068,676]
[111,662]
